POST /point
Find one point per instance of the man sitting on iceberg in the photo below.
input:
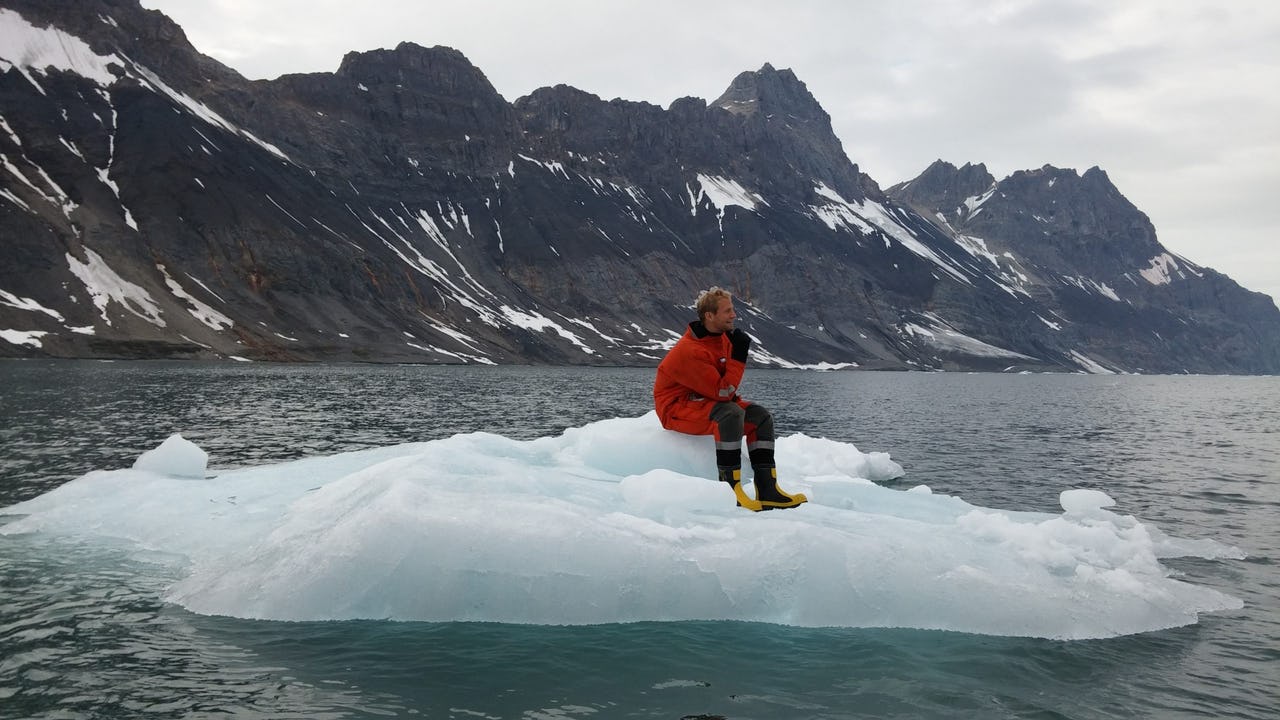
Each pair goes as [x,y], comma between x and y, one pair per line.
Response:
[696,392]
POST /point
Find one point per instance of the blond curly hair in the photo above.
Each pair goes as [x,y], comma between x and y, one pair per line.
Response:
[709,300]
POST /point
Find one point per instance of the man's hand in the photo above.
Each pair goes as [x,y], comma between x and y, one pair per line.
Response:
[741,343]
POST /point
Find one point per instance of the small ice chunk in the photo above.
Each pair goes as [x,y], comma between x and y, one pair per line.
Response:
[175,456]
[1084,502]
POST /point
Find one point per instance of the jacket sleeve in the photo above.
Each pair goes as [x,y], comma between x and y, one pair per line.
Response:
[698,372]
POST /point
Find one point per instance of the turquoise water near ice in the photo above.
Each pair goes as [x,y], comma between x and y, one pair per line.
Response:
[84,634]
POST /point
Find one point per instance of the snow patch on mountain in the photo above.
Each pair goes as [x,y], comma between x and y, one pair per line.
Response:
[58,199]
[1012,280]
[939,334]
[723,192]
[4,193]
[23,337]
[199,310]
[202,111]
[21,303]
[1161,270]
[1090,365]
[537,322]
[460,337]
[1052,325]
[105,285]
[974,204]
[554,167]
[871,218]
[31,49]
[1093,287]
[4,124]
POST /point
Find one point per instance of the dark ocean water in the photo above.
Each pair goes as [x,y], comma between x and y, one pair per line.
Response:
[83,633]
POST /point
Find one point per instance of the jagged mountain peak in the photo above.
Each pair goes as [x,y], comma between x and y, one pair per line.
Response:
[1098,177]
[564,108]
[788,133]
[688,105]
[405,54]
[1047,171]
[1080,225]
[562,118]
[944,188]
[1091,186]
[438,68]
[1094,175]
[1090,210]
[770,91]
[568,96]
[559,93]
[941,172]
[971,170]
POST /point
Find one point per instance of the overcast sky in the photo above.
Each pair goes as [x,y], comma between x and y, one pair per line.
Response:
[1177,100]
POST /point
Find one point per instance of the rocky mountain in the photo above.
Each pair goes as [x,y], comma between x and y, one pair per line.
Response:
[1075,245]
[154,203]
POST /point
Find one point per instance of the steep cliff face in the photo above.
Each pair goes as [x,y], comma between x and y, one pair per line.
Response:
[155,203]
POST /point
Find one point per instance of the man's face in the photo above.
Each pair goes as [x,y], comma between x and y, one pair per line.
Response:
[722,319]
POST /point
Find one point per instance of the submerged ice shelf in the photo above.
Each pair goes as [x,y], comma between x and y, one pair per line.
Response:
[619,521]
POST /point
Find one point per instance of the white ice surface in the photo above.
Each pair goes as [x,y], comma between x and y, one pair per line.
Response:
[618,521]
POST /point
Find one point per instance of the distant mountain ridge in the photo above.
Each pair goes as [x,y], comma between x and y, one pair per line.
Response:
[154,203]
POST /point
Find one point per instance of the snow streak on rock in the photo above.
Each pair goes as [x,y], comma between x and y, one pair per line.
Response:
[872,218]
[105,286]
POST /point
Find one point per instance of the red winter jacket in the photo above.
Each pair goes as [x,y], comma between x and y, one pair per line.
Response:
[697,373]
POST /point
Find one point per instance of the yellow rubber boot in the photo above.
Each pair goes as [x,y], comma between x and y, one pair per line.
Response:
[733,476]
[769,495]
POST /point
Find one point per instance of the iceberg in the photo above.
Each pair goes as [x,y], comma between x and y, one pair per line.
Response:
[620,521]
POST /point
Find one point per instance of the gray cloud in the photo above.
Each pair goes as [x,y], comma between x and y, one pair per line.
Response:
[1176,101]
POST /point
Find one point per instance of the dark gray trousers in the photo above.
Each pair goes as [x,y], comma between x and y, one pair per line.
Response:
[734,421]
